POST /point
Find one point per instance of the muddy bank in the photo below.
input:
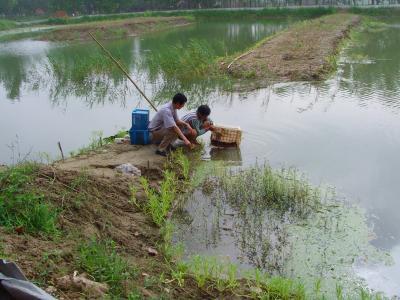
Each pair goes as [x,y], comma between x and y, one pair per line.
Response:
[91,205]
[303,52]
[113,29]
[93,202]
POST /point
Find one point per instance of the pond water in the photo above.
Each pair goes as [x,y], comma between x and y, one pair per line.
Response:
[344,132]
[54,92]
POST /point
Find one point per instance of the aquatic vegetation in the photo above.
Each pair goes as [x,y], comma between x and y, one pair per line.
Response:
[283,189]
[223,275]
[209,269]
[183,62]
[173,252]
[21,207]
[284,226]
[101,260]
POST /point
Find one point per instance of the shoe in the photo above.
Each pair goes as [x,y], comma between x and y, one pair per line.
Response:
[162,153]
[171,148]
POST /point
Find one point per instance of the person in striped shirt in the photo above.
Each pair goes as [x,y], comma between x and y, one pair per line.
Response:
[199,122]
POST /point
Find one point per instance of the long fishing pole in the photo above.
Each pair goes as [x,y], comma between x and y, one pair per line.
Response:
[123,70]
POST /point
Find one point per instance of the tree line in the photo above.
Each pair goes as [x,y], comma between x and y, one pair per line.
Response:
[86,7]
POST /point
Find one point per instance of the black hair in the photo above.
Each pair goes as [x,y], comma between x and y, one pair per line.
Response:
[179,98]
[204,110]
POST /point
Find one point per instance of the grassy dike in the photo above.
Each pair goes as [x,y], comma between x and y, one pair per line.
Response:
[114,29]
[305,51]
[114,26]
[204,14]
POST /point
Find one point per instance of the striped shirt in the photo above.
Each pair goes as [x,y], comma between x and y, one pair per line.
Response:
[195,123]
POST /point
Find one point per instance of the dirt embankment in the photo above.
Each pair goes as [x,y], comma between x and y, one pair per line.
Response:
[305,51]
[93,201]
[114,29]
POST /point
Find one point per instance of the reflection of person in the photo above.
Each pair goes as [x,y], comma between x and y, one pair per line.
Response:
[164,127]
[199,123]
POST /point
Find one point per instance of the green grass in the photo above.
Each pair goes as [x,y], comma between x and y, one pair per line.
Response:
[7,24]
[179,163]
[159,203]
[101,260]
[183,62]
[224,276]
[200,14]
[377,11]
[21,206]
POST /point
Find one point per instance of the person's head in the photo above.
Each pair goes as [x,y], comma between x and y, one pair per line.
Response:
[203,111]
[179,101]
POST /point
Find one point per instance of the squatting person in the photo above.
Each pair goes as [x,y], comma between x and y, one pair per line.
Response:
[164,127]
[199,122]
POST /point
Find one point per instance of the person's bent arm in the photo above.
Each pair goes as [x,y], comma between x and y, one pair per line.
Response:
[182,136]
[182,123]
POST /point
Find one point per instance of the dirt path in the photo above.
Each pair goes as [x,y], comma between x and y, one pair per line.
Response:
[113,29]
[303,52]
[103,162]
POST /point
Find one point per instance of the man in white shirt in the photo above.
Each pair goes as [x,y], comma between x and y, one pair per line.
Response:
[164,127]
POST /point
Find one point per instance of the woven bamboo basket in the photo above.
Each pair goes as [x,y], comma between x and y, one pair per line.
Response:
[226,136]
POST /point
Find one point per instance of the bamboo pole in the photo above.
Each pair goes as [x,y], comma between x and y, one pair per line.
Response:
[123,70]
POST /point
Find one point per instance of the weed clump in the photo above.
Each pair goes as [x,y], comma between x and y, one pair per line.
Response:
[284,189]
[159,203]
[101,260]
[179,163]
[21,207]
